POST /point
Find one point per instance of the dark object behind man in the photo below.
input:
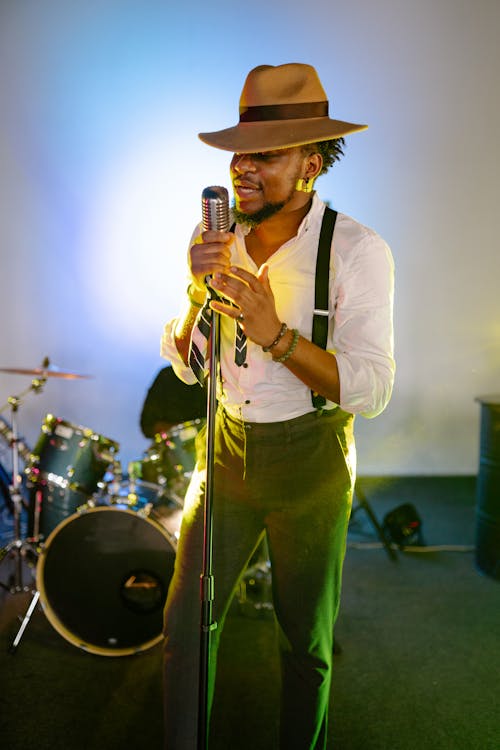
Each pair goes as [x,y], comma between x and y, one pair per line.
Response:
[170,402]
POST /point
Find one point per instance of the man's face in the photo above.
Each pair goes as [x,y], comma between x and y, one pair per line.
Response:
[264,183]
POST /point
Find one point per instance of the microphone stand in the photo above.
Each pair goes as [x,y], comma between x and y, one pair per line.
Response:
[207,626]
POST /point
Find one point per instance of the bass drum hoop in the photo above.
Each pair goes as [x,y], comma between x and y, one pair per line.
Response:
[49,611]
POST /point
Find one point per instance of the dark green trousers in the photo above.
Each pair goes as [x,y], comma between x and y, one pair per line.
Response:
[293,481]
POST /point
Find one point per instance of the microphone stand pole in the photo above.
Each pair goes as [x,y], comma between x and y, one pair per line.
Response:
[206,579]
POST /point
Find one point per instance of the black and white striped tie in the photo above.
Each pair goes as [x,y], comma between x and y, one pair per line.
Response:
[199,343]
[198,359]
[240,346]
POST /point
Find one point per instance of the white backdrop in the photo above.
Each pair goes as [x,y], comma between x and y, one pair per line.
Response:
[102,171]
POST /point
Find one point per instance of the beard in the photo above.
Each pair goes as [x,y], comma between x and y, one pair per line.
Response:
[253,220]
[267,210]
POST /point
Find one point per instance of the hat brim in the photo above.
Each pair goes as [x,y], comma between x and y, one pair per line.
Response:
[254,137]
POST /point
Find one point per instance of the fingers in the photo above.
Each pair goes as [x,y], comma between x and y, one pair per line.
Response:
[248,278]
[211,236]
[224,309]
[251,294]
[209,255]
[253,302]
[238,285]
[263,276]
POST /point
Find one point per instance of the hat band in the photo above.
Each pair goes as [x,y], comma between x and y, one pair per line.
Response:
[284,111]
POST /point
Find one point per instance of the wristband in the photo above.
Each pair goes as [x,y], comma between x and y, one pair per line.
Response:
[283,330]
[291,348]
[191,299]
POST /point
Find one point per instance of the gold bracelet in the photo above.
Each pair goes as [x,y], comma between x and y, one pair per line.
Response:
[283,330]
[291,348]
[191,299]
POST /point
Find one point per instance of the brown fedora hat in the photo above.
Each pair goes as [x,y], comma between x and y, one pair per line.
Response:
[280,106]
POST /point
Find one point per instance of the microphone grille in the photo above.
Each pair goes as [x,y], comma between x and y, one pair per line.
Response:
[215,208]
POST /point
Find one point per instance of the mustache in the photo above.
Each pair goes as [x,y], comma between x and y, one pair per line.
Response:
[246,184]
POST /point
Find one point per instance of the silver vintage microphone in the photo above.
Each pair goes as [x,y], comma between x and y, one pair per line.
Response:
[215,215]
[215,208]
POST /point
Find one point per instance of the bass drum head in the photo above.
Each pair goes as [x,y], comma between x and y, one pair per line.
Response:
[103,577]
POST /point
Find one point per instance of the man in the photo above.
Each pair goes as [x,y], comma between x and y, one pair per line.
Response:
[283,465]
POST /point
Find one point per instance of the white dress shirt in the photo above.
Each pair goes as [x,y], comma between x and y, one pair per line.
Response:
[360,331]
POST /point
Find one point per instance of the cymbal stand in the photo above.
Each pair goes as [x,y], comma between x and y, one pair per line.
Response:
[19,547]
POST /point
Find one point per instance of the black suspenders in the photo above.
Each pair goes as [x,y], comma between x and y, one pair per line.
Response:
[321,289]
[321,293]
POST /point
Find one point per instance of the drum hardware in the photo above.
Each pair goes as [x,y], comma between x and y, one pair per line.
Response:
[253,594]
[20,549]
[113,479]
[24,452]
[24,550]
[23,449]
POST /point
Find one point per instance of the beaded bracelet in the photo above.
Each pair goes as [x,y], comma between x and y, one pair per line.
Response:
[192,301]
[283,330]
[291,348]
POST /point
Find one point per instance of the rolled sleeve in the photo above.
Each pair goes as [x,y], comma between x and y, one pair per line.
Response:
[363,339]
[168,351]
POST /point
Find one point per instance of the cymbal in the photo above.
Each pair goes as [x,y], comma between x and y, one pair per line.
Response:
[50,372]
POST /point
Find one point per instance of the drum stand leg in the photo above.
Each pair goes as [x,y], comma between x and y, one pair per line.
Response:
[24,624]
[19,549]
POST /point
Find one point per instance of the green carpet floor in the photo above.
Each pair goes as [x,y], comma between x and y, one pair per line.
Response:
[418,667]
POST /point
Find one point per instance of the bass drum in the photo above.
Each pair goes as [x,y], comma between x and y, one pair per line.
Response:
[103,577]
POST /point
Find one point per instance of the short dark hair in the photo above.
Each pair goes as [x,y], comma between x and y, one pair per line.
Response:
[331,151]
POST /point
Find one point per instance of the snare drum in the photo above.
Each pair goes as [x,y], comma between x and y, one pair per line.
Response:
[103,576]
[65,468]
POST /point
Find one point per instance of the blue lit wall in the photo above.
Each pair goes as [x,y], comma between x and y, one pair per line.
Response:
[102,171]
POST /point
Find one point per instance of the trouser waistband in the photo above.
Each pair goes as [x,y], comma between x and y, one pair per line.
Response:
[284,427]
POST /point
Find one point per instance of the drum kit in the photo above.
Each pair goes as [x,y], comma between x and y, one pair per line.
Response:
[102,542]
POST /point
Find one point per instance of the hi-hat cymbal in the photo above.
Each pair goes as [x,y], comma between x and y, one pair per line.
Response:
[50,372]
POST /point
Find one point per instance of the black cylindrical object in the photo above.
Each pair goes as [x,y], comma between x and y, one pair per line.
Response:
[488,489]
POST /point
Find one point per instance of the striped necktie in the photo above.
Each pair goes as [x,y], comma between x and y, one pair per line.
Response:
[240,346]
[199,343]
[198,351]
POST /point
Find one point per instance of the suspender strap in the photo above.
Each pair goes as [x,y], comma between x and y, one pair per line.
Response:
[321,301]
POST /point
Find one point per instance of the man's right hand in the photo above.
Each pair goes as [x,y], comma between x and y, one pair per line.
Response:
[210,254]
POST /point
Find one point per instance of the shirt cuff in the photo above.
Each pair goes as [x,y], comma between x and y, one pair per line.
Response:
[168,351]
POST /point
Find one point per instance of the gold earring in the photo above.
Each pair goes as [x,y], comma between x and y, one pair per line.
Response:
[305,185]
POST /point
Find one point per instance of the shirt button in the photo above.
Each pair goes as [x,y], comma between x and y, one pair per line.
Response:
[247,401]
[245,364]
